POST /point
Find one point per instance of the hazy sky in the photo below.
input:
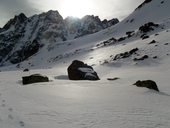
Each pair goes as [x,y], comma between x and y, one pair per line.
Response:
[103,8]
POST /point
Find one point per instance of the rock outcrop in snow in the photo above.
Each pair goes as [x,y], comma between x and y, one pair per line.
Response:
[148,84]
[145,2]
[35,78]
[78,70]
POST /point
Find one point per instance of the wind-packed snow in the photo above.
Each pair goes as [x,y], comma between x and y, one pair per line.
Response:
[62,103]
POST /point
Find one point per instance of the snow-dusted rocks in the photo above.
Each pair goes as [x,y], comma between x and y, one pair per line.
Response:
[35,78]
[16,21]
[148,84]
[148,27]
[87,25]
[80,71]
[126,54]
[141,58]
[25,52]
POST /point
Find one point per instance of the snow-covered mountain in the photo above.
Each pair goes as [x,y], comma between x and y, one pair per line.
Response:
[22,37]
[148,15]
[137,48]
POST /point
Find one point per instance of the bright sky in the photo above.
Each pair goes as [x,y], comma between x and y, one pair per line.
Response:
[78,8]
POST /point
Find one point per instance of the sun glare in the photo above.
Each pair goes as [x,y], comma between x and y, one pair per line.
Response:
[75,8]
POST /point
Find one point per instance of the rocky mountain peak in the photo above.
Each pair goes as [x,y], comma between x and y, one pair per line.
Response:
[18,19]
[52,16]
[21,17]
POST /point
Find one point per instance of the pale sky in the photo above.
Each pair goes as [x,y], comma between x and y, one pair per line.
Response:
[105,9]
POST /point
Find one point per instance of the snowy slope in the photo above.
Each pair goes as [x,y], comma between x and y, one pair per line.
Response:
[155,11]
[102,104]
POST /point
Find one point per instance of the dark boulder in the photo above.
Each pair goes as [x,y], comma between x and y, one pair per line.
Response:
[155,57]
[152,42]
[81,71]
[26,70]
[148,84]
[112,79]
[35,78]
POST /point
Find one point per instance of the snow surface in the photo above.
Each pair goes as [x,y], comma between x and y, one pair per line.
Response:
[62,103]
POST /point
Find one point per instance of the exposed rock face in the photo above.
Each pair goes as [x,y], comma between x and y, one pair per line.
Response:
[80,71]
[121,39]
[0,29]
[87,25]
[145,2]
[35,78]
[144,36]
[148,84]
[148,27]
[25,52]
[18,35]
[16,21]
[130,33]
[125,54]
[108,23]
[111,41]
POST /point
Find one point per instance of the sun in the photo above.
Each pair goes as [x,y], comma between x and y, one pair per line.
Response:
[76,8]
